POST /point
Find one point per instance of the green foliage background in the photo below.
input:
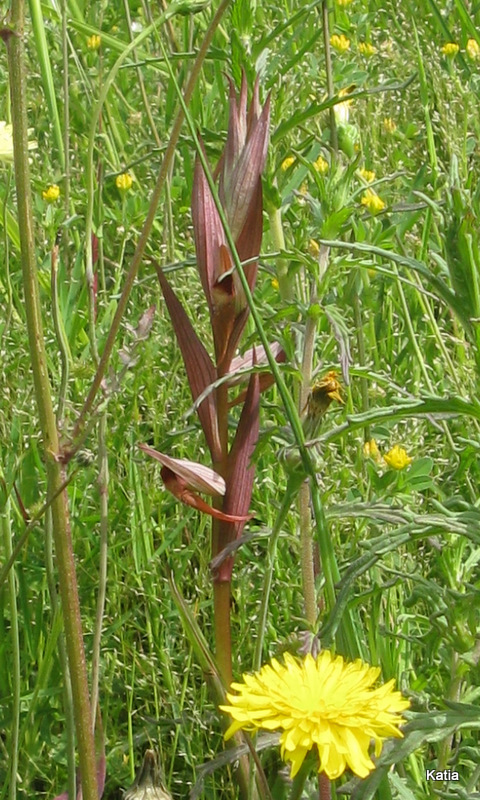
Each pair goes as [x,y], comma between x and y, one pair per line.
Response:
[397,311]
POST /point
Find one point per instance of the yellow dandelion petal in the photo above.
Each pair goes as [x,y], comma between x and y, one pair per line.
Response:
[287,163]
[397,458]
[124,182]
[372,202]
[473,49]
[94,42]
[324,703]
[340,43]
[52,193]
[450,49]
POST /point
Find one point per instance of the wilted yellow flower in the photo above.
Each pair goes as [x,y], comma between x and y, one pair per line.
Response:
[324,703]
[124,182]
[52,193]
[94,42]
[340,43]
[367,174]
[6,142]
[313,248]
[397,458]
[370,450]
[322,394]
[473,49]
[372,201]
[321,165]
[389,125]
[287,163]
[367,49]
[450,49]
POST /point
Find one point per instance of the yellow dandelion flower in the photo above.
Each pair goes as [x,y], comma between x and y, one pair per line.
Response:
[370,450]
[6,142]
[124,182]
[367,49]
[450,49]
[368,175]
[94,42]
[389,125]
[287,163]
[321,165]
[340,43]
[52,193]
[324,703]
[397,458]
[372,202]
[313,248]
[473,49]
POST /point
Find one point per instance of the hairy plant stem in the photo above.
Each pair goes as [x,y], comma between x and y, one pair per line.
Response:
[43,395]
[148,224]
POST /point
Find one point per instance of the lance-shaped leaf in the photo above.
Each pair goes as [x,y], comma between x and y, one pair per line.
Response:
[198,364]
[241,472]
[180,477]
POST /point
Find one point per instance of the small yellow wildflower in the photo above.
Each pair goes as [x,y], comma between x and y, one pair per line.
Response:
[397,458]
[313,248]
[6,142]
[367,174]
[94,42]
[124,182]
[370,450]
[473,49]
[287,163]
[324,704]
[340,43]
[344,3]
[321,165]
[372,201]
[389,125]
[275,284]
[52,193]
[367,49]
[450,49]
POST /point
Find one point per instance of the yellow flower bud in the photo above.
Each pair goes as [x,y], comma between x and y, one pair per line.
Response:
[450,49]
[94,42]
[287,163]
[124,182]
[473,49]
[52,193]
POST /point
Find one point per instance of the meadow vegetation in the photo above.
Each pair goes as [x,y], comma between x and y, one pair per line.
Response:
[368,280]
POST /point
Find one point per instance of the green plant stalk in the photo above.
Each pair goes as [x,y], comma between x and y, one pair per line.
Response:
[362,356]
[13,741]
[43,395]
[329,74]
[149,221]
[285,283]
